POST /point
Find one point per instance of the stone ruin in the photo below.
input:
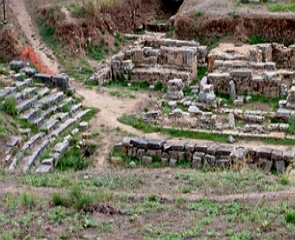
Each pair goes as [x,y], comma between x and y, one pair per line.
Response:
[50,111]
[61,81]
[237,71]
[200,154]
[154,58]
[249,69]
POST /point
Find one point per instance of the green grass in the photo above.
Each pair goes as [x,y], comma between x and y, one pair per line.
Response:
[73,159]
[173,132]
[47,33]
[98,51]
[281,7]
[9,106]
[256,40]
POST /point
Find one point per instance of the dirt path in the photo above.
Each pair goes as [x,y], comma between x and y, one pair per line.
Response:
[40,49]
[288,194]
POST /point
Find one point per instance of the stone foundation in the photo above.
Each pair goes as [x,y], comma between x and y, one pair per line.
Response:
[200,154]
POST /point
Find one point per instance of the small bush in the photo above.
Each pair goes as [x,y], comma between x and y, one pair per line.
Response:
[58,200]
[158,86]
[290,217]
[9,106]
[27,200]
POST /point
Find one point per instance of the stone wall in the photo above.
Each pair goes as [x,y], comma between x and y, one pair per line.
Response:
[200,154]
[157,59]
[253,69]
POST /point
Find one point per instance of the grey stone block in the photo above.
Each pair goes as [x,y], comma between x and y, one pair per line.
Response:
[280,166]
[201,147]
[147,160]
[139,143]
[155,144]
[197,163]
[264,152]
[276,155]
[172,162]
[223,163]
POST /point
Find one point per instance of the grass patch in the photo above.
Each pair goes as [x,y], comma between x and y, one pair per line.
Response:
[281,8]
[74,159]
[256,40]
[149,128]
[47,33]
[97,52]
[9,106]
[88,116]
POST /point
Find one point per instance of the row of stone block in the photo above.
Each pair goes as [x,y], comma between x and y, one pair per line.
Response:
[27,146]
[199,152]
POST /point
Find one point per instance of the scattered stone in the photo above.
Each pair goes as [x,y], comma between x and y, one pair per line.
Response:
[83,125]
[132,164]
[230,139]
[117,161]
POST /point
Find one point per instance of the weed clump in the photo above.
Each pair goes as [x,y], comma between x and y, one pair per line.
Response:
[9,106]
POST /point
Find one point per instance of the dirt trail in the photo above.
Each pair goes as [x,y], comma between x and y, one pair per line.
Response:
[24,20]
[288,194]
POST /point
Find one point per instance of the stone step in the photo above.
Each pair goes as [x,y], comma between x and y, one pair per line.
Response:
[42,92]
[43,115]
[63,127]
[50,124]
[24,105]
[75,108]
[159,74]
[27,93]
[50,100]
[23,84]
[26,147]
[6,91]
[35,155]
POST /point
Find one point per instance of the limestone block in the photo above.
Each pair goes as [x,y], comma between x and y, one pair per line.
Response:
[139,142]
[197,163]
[139,153]
[201,147]
[147,160]
[223,163]
[155,144]
[264,152]
[173,154]
[276,155]
[280,166]
[210,160]
[224,150]
[189,146]
[172,162]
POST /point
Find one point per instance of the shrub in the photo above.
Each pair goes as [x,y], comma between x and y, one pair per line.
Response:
[9,106]
[58,200]
[27,200]
[290,217]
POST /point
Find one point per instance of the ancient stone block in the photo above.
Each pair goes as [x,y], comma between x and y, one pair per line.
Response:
[210,159]
[264,152]
[146,160]
[139,142]
[223,163]
[155,144]
[201,147]
[172,162]
[197,163]
[280,166]
[276,155]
